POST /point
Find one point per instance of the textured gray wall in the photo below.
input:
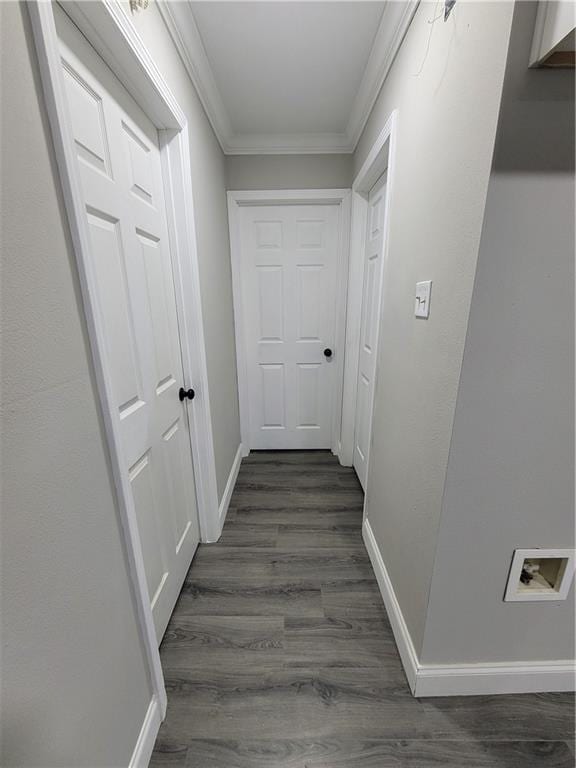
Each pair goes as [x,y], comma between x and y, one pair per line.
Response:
[446,83]
[288,171]
[510,480]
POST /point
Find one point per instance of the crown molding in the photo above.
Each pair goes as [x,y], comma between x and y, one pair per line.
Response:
[393,26]
[181,24]
[182,27]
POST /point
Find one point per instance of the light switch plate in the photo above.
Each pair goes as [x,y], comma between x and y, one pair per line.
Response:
[422,306]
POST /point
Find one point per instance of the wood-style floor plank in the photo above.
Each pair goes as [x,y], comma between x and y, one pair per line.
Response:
[280,654]
[239,534]
[270,566]
[419,753]
[344,642]
[232,598]
[197,642]
[335,514]
[297,537]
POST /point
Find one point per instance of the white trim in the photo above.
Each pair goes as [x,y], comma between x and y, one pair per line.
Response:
[353,323]
[462,679]
[228,491]
[381,158]
[108,28]
[515,592]
[238,199]
[110,31]
[341,299]
[378,157]
[289,196]
[490,679]
[399,628]
[536,48]
[180,210]
[392,29]
[554,21]
[241,367]
[181,24]
[147,737]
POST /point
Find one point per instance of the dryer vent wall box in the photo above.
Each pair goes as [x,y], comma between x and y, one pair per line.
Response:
[540,574]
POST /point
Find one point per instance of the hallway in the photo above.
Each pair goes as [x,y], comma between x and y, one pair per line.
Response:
[279,652]
[287,384]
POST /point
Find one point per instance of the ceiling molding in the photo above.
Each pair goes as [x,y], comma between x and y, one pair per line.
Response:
[179,18]
[181,24]
[393,26]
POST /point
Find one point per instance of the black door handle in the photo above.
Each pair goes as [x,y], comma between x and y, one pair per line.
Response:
[328,352]
[186,393]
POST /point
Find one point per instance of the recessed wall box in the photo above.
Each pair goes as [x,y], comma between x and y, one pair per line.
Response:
[540,574]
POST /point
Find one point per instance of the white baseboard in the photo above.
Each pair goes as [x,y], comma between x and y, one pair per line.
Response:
[467,679]
[401,634]
[510,677]
[227,495]
[147,738]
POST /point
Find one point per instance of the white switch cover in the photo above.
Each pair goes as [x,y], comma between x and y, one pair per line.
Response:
[422,307]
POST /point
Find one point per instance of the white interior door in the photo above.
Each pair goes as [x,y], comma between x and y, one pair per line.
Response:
[119,165]
[373,258]
[289,282]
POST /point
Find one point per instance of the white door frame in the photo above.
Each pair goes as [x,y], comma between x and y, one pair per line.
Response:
[236,200]
[108,27]
[381,158]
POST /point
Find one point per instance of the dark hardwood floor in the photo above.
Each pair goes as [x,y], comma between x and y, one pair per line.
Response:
[280,654]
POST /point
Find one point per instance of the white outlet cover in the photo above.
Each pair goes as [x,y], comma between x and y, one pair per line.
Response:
[422,305]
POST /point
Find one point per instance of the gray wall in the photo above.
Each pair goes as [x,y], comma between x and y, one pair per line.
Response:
[510,480]
[288,171]
[446,83]
[74,685]
[211,219]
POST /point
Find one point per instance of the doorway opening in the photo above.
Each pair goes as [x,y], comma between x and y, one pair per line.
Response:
[289,253]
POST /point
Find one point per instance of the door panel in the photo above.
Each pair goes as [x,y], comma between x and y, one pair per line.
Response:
[272,397]
[120,172]
[369,326]
[270,297]
[309,407]
[142,484]
[309,318]
[288,274]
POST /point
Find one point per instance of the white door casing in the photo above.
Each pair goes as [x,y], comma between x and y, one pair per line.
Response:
[288,253]
[121,179]
[373,264]
[380,159]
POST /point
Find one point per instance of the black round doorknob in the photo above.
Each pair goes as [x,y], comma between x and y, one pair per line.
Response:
[328,352]
[186,393]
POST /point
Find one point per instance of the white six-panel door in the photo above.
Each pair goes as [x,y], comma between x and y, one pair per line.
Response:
[373,258]
[289,281]
[119,164]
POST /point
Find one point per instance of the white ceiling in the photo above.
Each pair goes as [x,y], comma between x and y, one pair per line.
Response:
[288,67]
[287,76]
